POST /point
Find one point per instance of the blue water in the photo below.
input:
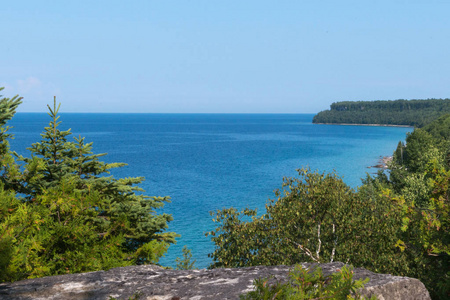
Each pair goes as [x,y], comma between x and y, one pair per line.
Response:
[206,162]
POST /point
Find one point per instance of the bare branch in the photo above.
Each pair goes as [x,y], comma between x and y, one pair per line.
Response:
[306,250]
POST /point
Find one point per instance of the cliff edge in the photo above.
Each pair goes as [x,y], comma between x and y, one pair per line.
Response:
[153,282]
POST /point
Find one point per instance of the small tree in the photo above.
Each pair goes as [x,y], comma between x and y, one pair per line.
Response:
[185,263]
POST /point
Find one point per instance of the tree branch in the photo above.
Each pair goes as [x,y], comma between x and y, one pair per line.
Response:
[320,242]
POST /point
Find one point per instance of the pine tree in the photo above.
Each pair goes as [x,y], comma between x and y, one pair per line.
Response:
[73,215]
[55,158]
[53,154]
[9,171]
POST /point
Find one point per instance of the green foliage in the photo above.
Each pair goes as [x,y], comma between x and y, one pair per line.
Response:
[265,291]
[59,213]
[135,296]
[9,171]
[426,232]
[399,112]
[316,218]
[421,150]
[185,263]
[310,284]
[420,176]
[18,222]
[8,108]
[440,128]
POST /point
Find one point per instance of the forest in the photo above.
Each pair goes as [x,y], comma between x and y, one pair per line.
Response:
[62,212]
[417,113]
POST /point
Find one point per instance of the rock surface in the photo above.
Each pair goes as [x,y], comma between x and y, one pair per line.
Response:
[153,283]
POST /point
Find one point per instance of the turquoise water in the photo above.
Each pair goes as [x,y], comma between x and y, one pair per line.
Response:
[206,162]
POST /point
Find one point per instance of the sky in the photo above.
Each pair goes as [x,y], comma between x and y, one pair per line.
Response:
[212,56]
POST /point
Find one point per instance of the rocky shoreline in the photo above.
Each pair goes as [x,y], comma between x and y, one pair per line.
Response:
[383,162]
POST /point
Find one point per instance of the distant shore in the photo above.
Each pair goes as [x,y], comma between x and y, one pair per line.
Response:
[384,125]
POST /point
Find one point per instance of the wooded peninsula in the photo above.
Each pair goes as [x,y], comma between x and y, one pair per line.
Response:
[417,113]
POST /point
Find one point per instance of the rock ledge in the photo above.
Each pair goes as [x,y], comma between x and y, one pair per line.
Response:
[154,283]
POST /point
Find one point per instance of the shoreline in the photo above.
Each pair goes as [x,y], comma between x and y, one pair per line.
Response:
[355,124]
[383,162]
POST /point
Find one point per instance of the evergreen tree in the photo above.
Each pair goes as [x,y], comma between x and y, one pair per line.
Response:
[54,159]
[64,215]
[9,171]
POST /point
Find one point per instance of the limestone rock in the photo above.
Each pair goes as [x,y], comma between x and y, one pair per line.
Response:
[153,283]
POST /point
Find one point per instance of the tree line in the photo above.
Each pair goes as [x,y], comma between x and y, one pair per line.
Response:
[416,113]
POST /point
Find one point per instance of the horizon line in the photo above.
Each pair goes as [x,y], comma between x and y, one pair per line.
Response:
[179,113]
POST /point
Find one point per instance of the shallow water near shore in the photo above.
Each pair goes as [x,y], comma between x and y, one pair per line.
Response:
[206,162]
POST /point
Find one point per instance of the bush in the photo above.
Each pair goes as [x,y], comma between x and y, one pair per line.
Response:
[310,284]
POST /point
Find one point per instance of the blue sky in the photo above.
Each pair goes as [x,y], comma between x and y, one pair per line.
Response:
[222,56]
